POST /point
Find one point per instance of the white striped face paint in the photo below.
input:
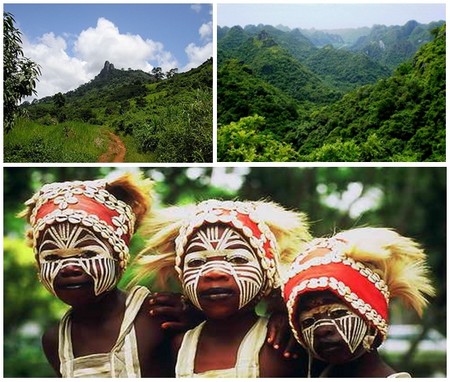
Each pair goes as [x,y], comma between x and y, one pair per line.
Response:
[351,327]
[220,248]
[66,245]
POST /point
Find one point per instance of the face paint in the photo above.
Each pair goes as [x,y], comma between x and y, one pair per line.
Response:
[238,260]
[351,327]
[65,245]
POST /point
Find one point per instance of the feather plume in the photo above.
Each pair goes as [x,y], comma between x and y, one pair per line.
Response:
[399,260]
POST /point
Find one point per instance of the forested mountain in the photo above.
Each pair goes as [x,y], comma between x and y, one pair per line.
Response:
[165,117]
[329,104]
[393,45]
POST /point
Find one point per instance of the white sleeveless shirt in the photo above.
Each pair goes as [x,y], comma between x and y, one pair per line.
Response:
[247,360]
[121,362]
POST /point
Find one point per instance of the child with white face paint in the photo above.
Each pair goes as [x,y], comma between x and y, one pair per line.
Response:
[227,257]
[337,293]
[80,233]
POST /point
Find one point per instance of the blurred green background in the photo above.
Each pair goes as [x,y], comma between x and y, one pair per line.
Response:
[411,200]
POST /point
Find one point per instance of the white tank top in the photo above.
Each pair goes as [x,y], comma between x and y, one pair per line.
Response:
[121,362]
[247,360]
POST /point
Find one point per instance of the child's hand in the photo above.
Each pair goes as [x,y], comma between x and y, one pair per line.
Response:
[174,311]
[279,335]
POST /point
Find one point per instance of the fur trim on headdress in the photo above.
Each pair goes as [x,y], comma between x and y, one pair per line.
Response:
[126,197]
[290,230]
[398,260]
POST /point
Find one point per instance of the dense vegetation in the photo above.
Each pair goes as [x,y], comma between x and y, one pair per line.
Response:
[329,104]
[160,117]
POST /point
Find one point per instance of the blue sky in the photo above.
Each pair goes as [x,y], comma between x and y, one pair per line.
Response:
[71,42]
[329,15]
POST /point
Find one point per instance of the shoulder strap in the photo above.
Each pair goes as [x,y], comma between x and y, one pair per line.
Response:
[65,350]
[133,304]
[187,352]
[247,362]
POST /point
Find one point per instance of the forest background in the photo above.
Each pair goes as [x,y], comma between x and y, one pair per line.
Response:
[411,200]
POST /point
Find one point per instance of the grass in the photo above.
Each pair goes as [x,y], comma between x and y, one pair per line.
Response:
[67,142]
[133,155]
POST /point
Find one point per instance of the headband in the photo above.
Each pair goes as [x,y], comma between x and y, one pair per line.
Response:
[242,217]
[88,204]
[326,267]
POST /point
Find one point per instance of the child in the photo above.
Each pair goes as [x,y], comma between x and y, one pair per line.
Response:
[338,291]
[227,257]
[80,233]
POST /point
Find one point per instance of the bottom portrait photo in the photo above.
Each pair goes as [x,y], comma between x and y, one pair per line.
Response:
[224,272]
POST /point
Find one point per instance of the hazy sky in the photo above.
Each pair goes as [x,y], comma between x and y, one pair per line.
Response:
[71,42]
[328,15]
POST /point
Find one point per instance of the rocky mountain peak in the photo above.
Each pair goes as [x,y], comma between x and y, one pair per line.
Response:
[107,69]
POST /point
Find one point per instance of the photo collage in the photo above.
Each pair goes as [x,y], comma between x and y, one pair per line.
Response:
[224,189]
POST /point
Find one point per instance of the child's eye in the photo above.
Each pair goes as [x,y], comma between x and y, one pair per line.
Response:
[307,322]
[237,260]
[195,263]
[338,313]
[88,254]
[51,258]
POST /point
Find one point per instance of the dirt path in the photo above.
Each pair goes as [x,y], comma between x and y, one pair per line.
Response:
[116,150]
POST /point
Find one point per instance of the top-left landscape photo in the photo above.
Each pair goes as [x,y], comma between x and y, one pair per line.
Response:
[103,83]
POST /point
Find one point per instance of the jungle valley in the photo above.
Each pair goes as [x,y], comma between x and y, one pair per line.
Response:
[367,94]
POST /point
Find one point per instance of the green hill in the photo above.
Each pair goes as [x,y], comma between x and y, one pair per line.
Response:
[392,45]
[161,117]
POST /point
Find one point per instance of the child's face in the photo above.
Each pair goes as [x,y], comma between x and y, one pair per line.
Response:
[75,264]
[221,271]
[330,329]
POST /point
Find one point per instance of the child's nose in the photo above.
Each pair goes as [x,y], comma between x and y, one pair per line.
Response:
[216,274]
[70,270]
[324,330]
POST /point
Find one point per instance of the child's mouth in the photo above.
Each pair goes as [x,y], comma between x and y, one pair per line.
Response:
[74,285]
[217,293]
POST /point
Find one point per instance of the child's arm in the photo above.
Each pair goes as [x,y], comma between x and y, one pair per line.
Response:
[50,347]
[280,337]
[279,334]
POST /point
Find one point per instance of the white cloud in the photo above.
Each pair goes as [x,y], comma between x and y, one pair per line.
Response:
[59,71]
[197,55]
[105,42]
[196,7]
[62,72]
[206,31]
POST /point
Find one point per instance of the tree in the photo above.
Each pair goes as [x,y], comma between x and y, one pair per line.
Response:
[157,73]
[246,141]
[172,73]
[59,100]
[19,72]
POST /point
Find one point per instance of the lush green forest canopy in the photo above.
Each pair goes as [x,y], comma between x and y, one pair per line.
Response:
[160,117]
[411,200]
[379,96]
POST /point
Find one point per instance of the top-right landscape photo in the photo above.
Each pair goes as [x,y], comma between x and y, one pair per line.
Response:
[331,82]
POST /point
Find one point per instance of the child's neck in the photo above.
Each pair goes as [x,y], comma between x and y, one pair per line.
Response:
[368,365]
[107,305]
[241,321]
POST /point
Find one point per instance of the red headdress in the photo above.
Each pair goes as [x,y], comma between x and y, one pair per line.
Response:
[85,203]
